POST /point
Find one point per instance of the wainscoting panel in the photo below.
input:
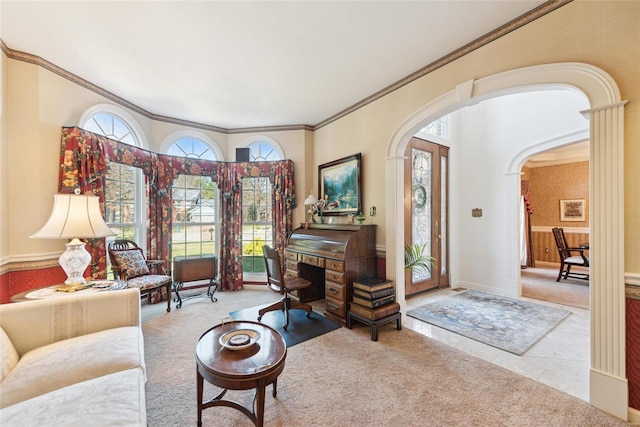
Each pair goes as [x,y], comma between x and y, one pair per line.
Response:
[14,282]
[543,240]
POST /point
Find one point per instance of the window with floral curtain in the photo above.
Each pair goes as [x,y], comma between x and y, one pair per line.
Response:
[84,163]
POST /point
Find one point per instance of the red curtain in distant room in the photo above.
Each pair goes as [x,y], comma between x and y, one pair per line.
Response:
[84,160]
[528,211]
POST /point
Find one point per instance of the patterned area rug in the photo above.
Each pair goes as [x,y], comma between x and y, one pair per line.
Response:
[505,323]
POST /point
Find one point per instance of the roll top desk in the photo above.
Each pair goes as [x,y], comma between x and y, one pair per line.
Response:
[331,256]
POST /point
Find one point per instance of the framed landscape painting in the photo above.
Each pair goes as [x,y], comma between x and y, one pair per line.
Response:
[339,183]
[572,210]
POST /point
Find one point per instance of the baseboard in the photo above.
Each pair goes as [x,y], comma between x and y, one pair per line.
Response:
[609,393]
[634,417]
[482,288]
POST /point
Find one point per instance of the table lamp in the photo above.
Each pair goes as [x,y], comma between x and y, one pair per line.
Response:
[310,201]
[75,217]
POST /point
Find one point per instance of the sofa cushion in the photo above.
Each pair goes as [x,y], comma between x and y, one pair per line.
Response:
[132,261]
[116,399]
[70,361]
[8,354]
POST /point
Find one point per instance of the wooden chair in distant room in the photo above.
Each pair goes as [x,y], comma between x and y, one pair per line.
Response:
[276,282]
[569,257]
[129,264]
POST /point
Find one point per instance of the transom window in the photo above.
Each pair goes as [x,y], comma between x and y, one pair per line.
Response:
[111,126]
[191,147]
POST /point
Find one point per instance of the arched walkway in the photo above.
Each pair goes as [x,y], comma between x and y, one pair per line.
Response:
[608,384]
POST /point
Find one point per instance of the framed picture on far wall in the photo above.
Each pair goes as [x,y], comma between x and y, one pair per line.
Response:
[340,183]
[572,210]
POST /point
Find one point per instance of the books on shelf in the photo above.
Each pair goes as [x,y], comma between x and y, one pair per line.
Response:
[373,303]
[375,313]
[372,284]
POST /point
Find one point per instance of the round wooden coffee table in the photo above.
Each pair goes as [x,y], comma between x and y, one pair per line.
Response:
[239,355]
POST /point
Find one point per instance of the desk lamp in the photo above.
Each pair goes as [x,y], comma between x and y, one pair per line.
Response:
[310,201]
[75,217]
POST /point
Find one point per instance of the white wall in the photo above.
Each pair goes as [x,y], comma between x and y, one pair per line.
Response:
[485,139]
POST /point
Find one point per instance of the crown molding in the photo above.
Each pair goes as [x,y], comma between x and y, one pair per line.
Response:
[505,29]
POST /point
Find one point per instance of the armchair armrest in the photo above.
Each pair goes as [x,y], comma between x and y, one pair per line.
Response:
[36,323]
[156,263]
[119,272]
[569,251]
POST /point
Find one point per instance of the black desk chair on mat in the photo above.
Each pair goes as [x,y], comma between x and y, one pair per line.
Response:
[567,257]
[276,282]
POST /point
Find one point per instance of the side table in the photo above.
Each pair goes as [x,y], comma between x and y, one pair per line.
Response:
[256,366]
[375,323]
[49,291]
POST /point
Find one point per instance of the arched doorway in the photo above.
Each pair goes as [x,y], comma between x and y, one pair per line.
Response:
[608,385]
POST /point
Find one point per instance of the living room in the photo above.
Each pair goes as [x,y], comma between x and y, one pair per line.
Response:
[38,100]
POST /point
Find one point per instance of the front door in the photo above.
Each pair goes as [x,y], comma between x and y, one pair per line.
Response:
[426,215]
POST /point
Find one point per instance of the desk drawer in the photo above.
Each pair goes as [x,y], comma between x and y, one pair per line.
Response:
[290,255]
[291,264]
[313,260]
[334,290]
[290,274]
[335,307]
[333,276]
[334,265]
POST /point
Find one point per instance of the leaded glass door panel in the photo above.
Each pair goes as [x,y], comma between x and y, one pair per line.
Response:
[426,213]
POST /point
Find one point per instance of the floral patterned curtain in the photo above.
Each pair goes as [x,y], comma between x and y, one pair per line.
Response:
[281,176]
[85,157]
[524,191]
[83,166]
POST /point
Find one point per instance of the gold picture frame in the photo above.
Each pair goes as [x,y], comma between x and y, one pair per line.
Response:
[573,210]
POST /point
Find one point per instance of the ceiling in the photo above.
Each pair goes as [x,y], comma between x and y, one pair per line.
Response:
[247,64]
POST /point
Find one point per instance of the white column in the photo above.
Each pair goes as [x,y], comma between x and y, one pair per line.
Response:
[512,255]
[608,382]
[394,167]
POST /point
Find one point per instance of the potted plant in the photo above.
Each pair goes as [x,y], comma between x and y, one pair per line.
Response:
[415,257]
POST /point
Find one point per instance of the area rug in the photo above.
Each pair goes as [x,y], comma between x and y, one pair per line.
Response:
[508,324]
[301,327]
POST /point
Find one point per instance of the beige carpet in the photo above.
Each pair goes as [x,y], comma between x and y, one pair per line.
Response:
[342,378]
[540,283]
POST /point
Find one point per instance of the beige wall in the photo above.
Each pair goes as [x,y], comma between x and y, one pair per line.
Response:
[604,34]
[4,170]
[550,184]
[41,103]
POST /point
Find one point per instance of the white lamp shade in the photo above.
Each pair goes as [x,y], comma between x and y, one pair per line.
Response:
[310,200]
[74,216]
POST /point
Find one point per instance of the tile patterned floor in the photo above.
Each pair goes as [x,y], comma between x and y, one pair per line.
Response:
[560,359]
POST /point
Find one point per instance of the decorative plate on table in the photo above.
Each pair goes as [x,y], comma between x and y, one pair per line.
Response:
[109,285]
[239,339]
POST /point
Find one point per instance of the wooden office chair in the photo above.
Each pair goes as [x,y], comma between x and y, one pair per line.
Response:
[567,259]
[129,264]
[276,282]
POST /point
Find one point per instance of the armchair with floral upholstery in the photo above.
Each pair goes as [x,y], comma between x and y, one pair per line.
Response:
[129,264]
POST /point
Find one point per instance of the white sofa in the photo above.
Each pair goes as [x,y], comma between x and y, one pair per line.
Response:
[73,360]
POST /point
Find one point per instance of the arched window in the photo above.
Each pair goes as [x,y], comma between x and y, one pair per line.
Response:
[194,201]
[124,192]
[257,209]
